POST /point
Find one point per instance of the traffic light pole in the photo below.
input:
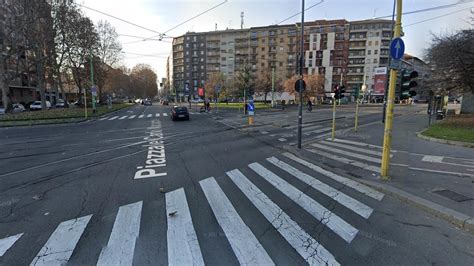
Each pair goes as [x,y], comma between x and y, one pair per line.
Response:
[384,108]
[390,101]
[300,111]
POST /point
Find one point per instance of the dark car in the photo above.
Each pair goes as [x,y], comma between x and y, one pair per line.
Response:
[165,102]
[147,102]
[179,112]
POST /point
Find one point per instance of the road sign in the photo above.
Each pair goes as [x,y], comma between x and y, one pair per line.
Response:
[395,64]
[251,108]
[397,48]
[94,91]
[297,85]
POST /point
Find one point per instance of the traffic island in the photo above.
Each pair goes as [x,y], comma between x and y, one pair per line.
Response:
[56,116]
[456,130]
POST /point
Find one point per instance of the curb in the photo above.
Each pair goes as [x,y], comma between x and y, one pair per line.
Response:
[459,219]
[445,141]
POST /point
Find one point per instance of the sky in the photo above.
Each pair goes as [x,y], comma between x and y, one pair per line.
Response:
[162,15]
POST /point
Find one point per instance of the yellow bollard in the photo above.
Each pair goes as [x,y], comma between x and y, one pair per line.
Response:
[250,119]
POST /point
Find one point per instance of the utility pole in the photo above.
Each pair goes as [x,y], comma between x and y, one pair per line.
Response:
[93,90]
[273,87]
[391,95]
[300,111]
[384,111]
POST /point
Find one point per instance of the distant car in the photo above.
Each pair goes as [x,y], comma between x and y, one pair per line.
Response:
[37,105]
[179,112]
[138,101]
[61,104]
[197,101]
[147,102]
[18,108]
[2,110]
[165,102]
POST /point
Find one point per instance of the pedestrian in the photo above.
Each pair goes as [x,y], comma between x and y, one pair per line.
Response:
[310,106]
[283,102]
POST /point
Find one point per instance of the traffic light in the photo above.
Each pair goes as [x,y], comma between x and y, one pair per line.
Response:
[407,84]
[338,92]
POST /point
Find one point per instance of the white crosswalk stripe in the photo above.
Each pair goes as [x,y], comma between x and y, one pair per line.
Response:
[113,118]
[149,115]
[343,180]
[347,153]
[157,115]
[183,245]
[7,243]
[132,116]
[301,241]
[165,114]
[141,116]
[243,242]
[348,147]
[59,247]
[282,139]
[331,220]
[123,117]
[121,245]
[352,204]
[346,160]
[313,132]
[104,118]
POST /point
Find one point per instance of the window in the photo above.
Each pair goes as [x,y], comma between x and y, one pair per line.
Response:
[375,60]
[281,48]
[281,64]
[370,43]
[202,52]
[376,51]
[202,67]
[376,43]
[187,45]
[263,49]
[263,64]
[368,52]
[223,58]
[281,39]
[263,57]
[202,59]
[377,34]
[263,40]
[187,52]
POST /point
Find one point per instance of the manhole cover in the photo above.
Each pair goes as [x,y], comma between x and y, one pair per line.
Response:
[452,195]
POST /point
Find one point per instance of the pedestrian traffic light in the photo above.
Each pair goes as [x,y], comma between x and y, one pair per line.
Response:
[338,92]
[407,84]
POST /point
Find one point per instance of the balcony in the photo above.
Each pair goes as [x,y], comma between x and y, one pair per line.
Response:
[362,55]
[362,47]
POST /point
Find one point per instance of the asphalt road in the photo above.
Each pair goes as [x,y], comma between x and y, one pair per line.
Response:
[83,194]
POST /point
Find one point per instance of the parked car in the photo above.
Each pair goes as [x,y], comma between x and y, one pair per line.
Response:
[61,104]
[147,102]
[179,112]
[2,110]
[37,105]
[18,108]
[138,101]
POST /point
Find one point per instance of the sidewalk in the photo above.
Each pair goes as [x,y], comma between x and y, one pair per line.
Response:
[439,178]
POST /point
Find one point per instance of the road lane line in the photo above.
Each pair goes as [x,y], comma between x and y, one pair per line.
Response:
[183,245]
[103,118]
[61,244]
[121,245]
[313,132]
[149,115]
[325,216]
[264,132]
[245,245]
[441,172]
[348,153]
[362,144]
[157,115]
[343,180]
[344,146]
[282,139]
[123,117]
[113,118]
[313,252]
[132,116]
[165,114]
[141,116]
[350,203]
[346,160]
[7,242]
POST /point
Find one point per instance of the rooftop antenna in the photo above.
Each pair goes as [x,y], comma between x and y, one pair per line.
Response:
[216,27]
[241,20]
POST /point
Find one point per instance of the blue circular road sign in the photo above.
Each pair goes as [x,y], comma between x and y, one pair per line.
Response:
[397,48]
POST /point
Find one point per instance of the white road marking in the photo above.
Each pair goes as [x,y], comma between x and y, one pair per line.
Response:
[432,159]
[282,139]
[7,242]
[264,132]
[113,118]
[348,153]
[313,252]
[183,245]
[132,116]
[272,135]
[123,117]
[441,172]
[165,114]
[157,115]
[362,144]
[149,115]
[103,118]
[307,128]
[470,170]
[350,203]
[346,160]
[245,245]
[344,146]
[343,180]
[320,130]
[121,245]
[60,245]
[141,116]
[330,219]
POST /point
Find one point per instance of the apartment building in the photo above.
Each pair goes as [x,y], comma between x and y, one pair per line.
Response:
[326,45]
[369,44]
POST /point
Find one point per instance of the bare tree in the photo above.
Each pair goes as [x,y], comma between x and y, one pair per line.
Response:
[314,85]
[109,53]
[244,81]
[144,81]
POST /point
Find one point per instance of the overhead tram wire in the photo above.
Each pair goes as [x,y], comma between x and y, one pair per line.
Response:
[318,3]
[429,9]
[433,18]
[180,24]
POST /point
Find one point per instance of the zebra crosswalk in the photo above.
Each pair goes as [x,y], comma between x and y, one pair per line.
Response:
[135,116]
[281,173]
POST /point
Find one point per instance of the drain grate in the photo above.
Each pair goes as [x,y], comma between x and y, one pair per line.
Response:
[452,195]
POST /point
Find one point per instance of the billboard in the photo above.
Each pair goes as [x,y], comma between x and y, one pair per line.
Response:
[380,80]
[201,92]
